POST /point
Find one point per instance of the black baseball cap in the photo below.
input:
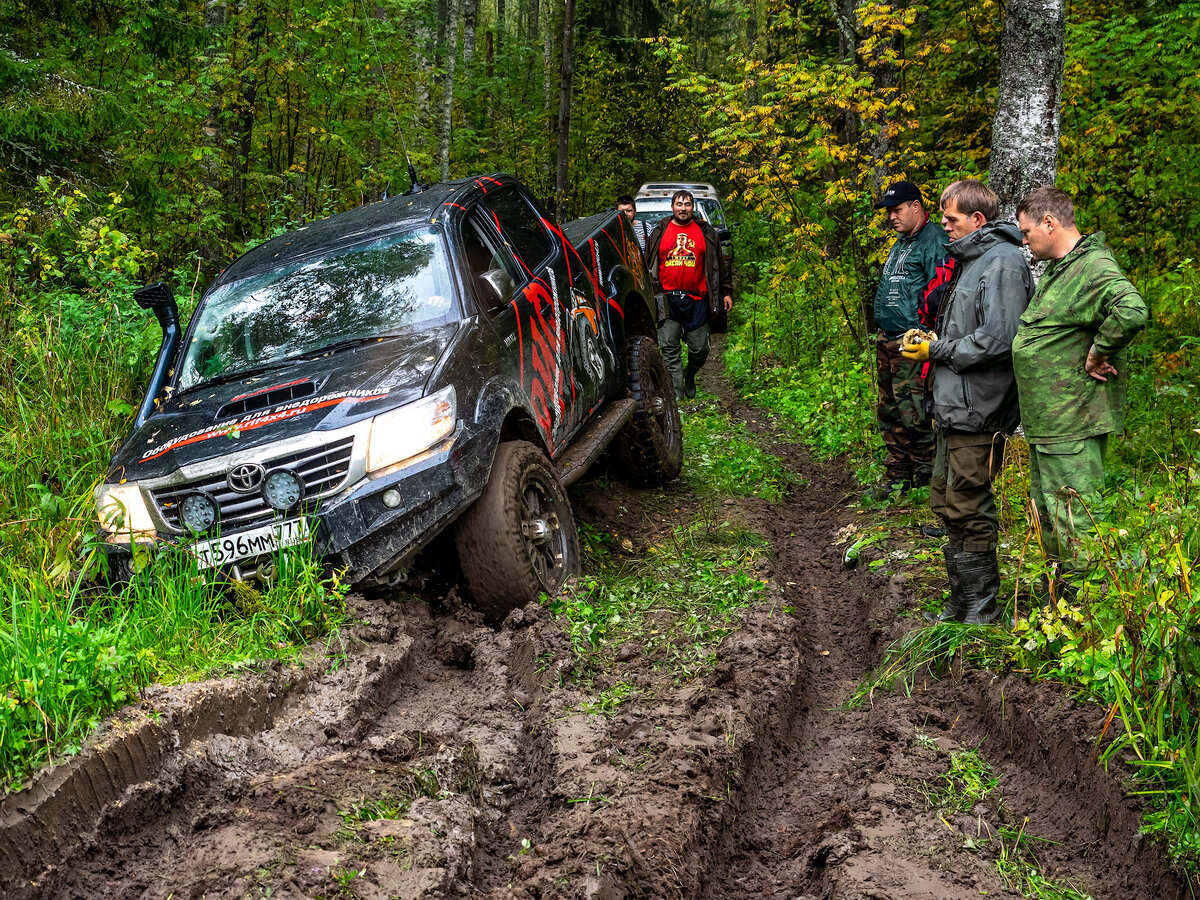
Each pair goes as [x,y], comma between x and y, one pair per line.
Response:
[900,192]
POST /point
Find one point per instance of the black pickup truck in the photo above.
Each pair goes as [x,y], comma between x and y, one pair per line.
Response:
[450,356]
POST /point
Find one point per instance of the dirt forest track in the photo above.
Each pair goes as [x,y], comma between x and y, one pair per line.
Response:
[753,781]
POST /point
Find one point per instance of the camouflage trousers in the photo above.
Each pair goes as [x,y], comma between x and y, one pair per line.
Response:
[907,435]
[1066,481]
[964,467]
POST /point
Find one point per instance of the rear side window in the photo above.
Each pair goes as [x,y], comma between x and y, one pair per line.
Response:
[521,226]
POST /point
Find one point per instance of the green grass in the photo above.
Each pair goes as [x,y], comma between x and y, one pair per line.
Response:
[675,603]
[64,666]
[722,458]
[968,782]
[928,652]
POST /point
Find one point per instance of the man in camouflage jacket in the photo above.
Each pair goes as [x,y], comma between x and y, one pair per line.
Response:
[920,246]
[1070,369]
[974,392]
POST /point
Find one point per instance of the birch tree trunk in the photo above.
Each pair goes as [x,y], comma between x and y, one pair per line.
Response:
[470,27]
[564,109]
[1025,129]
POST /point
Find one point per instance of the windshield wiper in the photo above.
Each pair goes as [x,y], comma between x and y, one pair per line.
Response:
[338,346]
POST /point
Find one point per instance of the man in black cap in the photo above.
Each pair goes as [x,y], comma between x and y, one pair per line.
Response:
[912,262]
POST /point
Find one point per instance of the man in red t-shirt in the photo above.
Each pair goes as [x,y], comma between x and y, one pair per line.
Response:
[683,255]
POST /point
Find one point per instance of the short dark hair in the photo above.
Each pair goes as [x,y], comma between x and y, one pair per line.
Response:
[972,196]
[1048,199]
[625,198]
[675,196]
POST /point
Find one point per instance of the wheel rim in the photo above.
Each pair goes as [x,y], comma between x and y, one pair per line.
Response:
[543,533]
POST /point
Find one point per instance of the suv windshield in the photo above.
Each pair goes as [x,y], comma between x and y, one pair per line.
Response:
[367,291]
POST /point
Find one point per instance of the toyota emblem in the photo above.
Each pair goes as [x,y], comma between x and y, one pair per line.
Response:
[246,477]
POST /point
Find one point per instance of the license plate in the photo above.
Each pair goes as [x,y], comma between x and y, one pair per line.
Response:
[255,542]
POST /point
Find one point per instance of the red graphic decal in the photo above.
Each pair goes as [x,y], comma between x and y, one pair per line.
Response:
[258,420]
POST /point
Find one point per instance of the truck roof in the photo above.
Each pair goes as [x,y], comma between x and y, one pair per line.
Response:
[667,188]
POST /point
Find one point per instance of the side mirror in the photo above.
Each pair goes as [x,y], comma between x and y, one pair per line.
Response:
[497,287]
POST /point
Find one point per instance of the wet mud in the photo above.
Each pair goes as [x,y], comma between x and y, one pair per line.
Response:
[429,755]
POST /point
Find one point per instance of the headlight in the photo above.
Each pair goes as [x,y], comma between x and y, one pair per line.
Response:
[123,513]
[405,432]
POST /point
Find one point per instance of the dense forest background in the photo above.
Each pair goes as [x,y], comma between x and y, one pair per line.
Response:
[143,141]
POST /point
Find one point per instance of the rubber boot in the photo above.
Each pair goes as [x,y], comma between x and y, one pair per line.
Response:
[981,586]
[689,381]
[955,607]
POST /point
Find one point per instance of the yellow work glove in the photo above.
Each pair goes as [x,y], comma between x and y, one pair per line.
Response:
[918,352]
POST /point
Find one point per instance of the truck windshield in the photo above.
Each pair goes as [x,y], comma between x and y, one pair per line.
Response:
[375,289]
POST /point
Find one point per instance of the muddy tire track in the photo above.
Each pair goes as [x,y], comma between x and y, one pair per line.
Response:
[836,810]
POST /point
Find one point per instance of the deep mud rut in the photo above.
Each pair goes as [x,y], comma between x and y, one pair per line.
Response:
[754,781]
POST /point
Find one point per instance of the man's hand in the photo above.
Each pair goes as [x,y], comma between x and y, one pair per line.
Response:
[728,301]
[917,352]
[1098,366]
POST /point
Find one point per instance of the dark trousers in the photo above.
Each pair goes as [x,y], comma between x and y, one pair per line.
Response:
[960,492]
[907,436]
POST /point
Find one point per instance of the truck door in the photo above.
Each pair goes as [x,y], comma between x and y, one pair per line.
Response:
[552,356]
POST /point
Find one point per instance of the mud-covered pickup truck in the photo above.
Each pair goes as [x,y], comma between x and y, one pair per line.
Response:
[448,357]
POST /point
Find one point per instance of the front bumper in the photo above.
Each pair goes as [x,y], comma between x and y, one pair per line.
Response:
[356,529]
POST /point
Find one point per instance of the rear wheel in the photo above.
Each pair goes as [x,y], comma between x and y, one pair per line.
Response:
[518,540]
[650,447]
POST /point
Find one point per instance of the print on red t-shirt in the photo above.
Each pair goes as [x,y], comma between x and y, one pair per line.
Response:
[681,259]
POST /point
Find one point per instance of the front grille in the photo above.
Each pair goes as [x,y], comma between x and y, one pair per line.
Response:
[322,469]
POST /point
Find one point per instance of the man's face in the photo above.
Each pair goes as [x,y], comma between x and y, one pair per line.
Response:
[957,223]
[627,210]
[681,208]
[1037,235]
[906,217]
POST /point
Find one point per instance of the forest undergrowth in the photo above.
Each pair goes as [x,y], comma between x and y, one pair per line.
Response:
[1131,639]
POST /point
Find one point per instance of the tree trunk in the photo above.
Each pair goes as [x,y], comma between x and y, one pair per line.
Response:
[446,116]
[1025,129]
[489,54]
[470,10]
[210,129]
[564,109]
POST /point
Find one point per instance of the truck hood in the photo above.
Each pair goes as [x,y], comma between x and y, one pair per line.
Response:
[319,394]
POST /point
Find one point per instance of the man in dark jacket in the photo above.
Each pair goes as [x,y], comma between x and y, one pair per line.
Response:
[974,391]
[683,255]
[911,263]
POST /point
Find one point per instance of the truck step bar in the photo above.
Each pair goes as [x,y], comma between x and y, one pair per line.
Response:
[590,443]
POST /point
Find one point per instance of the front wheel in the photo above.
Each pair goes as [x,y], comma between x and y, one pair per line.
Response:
[518,540]
[650,447]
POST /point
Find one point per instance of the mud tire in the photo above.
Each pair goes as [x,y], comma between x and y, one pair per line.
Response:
[650,448]
[518,540]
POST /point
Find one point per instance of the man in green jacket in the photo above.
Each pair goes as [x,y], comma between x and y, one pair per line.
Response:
[1071,373]
[920,246]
